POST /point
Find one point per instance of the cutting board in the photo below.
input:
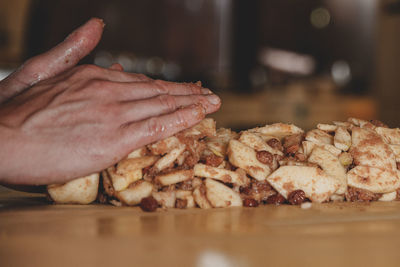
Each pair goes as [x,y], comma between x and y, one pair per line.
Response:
[36,233]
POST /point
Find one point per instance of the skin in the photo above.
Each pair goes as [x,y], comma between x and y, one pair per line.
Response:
[59,121]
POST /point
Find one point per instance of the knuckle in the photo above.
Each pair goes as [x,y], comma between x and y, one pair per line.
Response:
[97,83]
[88,70]
[142,77]
[159,87]
[154,126]
[167,101]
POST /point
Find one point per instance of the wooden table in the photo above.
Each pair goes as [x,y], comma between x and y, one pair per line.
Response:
[35,233]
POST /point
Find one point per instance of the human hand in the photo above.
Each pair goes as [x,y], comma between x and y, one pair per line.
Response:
[59,122]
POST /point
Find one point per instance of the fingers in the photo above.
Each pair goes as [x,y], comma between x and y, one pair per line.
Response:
[130,91]
[60,58]
[156,128]
[163,104]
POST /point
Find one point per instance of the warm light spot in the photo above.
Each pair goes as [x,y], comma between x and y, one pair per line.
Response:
[320,17]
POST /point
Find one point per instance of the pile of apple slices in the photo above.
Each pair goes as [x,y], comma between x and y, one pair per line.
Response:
[356,160]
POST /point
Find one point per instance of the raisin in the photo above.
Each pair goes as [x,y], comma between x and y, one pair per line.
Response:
[148,204]
[275,143]
[265,157]
[291,150]
[378,123]
[213,160]
[398,165]
[351,166]
[300,157]
[276,199]
[245,190]
[249,202]
[361,195]
[296,197]
[181,203]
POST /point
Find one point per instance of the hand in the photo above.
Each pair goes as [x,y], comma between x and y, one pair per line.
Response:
[59,122]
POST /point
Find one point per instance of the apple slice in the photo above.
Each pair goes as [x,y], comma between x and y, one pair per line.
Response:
[245,157]
[390,136]
[78,191]
[369,149]
[331,165]
[256,142]
[316,184]
[278,130]
[319,137]
[342,139]
[135,192]
[373,179]
[220,195]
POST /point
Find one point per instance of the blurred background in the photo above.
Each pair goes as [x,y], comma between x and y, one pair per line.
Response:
[303,61]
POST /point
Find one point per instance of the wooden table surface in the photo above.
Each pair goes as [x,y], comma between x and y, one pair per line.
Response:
[35,233]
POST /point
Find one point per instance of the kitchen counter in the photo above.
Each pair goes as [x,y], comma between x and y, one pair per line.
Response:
[36,233]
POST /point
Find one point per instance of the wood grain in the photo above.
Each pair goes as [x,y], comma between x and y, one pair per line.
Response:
[36,233]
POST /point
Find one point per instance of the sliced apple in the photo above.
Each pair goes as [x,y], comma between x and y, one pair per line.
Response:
[327,127]
[129,171]
[373,179]
[199,195]
[204,128]
[220,195]
[331,166]
[369,149]
[164,146]
[226,176]
[278,130]
[319,137]
[396,151]
[308,147]
[390,136]
[388,196]
[256,142]
[186,195]
[316,184]
[361,123]
[245,157]
[135,192]
[140,152]
[78,191]
[165,199]
[169,159]
[342,139]
[174,177]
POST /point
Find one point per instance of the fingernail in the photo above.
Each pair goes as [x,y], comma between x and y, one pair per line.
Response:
[213,99]
[206,91]
[101,21]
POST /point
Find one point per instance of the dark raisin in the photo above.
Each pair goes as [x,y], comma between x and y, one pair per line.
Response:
[148,204]
[265,157]
[351,166]
[398,165]
[276,199]
[300,157]
[378,123]
[245,190]
[181,203]
[249,202]
[291,150]
[361,195]
[275,143]
[296,197]
[213,160]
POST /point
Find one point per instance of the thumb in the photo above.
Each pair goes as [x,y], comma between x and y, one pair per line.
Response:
[60,58]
